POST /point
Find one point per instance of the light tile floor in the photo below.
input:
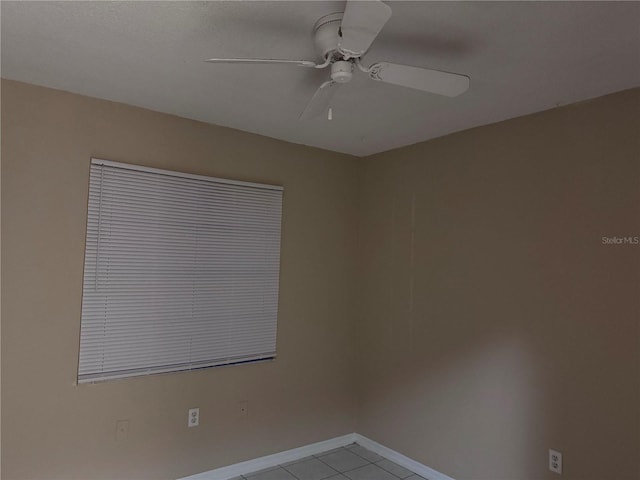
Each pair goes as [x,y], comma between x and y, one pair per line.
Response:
[352,462]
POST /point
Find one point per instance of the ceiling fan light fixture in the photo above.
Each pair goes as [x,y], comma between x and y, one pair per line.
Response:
[341,71]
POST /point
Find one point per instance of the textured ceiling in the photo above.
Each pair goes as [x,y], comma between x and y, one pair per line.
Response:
[522,57]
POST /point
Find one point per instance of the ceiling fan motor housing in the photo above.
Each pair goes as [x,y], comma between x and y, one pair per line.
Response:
[327,34]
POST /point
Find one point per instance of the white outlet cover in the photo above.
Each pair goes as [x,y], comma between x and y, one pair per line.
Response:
[555,461]
[194,417]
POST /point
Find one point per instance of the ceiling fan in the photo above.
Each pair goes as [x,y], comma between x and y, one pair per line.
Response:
[342,39]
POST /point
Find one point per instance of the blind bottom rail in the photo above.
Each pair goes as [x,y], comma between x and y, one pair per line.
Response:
[101,376]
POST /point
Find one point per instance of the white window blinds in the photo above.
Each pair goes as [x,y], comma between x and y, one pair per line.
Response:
[181,272]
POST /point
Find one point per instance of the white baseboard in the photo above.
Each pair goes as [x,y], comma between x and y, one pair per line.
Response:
[268,461]
[406,462]
[243,468]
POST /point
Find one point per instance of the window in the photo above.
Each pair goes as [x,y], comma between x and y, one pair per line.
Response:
[181,272]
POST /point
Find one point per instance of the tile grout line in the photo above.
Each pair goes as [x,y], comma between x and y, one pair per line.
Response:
[369,462]
[336,472]
[343,473]
[303,460]
[397,476]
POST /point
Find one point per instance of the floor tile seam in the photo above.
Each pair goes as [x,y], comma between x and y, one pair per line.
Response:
[336,472]
[382,459]
[356,453]
[324,454]
[290,473]
[352,469]
[247,477]
[323,478]
[319,456]
[397,476]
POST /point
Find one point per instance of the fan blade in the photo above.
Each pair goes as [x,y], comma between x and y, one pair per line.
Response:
[320,100]
[433,81]
[361,23]
[301,63]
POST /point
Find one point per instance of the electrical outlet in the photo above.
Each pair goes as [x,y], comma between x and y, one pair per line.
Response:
[243,408]
[555,461]
[122,430]
[194,417]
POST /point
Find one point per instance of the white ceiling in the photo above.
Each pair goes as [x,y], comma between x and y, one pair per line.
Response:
[522,57]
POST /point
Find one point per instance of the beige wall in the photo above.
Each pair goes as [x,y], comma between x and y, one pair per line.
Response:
[52,429]
[484,324]
[494,324]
